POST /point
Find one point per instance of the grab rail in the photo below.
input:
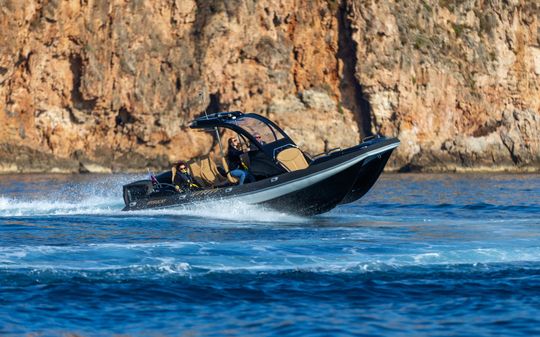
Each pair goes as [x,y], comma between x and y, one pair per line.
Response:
[329,152]
[160,185]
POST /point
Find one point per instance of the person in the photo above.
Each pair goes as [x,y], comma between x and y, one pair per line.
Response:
[181,178]
[258,138]
[237,168]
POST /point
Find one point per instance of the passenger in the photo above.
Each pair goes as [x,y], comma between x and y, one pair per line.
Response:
[254,147]
[237,168]
[181,178]
[258,138]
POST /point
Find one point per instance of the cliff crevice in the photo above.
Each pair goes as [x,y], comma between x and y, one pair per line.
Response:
[351,93]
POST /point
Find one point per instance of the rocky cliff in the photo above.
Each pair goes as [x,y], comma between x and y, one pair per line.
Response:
[96,85]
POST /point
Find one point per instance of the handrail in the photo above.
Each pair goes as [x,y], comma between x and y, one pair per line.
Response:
[159,185]
[329,152]
[365,139]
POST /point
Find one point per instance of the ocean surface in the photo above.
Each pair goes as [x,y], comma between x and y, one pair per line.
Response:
[424,255]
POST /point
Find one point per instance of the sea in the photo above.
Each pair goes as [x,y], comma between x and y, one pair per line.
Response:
[419,255]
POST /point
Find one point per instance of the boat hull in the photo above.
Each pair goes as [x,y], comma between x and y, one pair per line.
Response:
[366,176]
[339,178]
[317,198]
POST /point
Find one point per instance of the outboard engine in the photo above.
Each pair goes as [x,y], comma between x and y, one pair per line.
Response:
[137,190]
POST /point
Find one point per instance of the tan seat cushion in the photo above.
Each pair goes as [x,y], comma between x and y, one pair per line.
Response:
[292,159]
[195,170]
[204,171]
[210,173]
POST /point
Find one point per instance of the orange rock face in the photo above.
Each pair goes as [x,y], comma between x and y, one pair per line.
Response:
[107,86]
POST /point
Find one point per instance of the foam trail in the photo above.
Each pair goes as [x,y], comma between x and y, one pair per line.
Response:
[91,205]
[103,196]
[97,205]
[112,205]
[226,210]
[59,197]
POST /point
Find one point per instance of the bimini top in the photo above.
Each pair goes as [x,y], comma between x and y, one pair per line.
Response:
[258,129]
[215,119]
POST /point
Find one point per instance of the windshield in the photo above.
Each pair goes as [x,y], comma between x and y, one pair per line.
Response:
[255,127]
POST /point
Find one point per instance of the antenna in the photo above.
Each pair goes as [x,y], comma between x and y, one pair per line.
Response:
[201,96]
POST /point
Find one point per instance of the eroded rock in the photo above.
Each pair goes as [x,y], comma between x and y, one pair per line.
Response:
[111,86]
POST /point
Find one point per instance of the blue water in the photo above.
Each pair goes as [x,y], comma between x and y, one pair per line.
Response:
[419,254]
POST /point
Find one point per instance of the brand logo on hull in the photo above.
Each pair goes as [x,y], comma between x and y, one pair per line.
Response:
[156,202]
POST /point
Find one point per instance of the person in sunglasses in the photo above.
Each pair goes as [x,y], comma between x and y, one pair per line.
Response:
[258,138]
[182,179]
[237,168]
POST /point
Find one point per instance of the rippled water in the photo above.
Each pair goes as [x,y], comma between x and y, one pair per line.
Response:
[423,254]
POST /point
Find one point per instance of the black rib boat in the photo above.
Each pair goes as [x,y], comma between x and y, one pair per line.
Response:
[287,179]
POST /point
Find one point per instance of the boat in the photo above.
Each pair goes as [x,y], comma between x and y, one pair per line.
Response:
[287,179]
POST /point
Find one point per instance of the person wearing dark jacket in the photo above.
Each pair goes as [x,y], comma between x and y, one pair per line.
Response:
[258,138]
[237,168]
[181,178]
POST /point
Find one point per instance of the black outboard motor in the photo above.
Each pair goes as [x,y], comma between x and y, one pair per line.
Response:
[137,190]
